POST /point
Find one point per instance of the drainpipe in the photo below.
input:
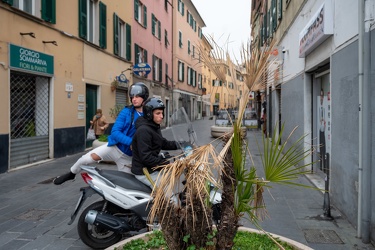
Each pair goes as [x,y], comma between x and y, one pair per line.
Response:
[364,174]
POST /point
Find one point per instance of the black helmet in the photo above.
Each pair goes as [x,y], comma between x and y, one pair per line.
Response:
[139,89]
[150,105]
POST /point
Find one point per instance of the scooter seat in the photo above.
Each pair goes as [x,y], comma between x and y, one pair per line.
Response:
[125,180]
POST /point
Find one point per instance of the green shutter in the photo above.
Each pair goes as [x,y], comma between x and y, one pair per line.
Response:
[10,2]
[159,30]
[102,25]
[145,56]
[136,14]
[280,11]
[160,70]
[183,9]
[145,16]
[153,23]
[136,56]
[188,47]
[115,34]
[82,18]
[153,68]
[183,72]
[49,11]
[128,42]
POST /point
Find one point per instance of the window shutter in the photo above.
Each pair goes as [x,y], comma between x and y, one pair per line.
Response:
[183,8]
[159,30]
[82,12]
[280,10]
[103,25]
[128,42]
[183,72]
[115,34]
[153,22]
[136,5]
[166,74]
[188,47]
[10,2]
[145,16]
[136,56]
[160,70]
[153,68]
[49,11]
[145,56]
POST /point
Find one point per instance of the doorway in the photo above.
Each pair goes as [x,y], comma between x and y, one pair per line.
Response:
[91,106]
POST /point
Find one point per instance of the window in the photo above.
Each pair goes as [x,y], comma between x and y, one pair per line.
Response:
[191,21]
[191,77]
[181,7]
[193,51]
[200,32]
[45,9]
[166,5]
[140,54]
[157,68]
[188,47]
[199,81]
[121,38]
[92,22]
[180,39]
[156,27]
[140,13]
[181,69]
[166,38]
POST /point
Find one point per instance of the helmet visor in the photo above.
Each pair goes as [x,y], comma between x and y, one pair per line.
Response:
[136,91]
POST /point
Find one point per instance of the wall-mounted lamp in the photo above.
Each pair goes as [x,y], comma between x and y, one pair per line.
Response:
[28,34]
[53,42]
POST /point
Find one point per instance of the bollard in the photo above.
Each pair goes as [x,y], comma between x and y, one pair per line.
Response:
[326,205]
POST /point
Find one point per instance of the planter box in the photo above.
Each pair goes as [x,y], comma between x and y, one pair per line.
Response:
[217,131]
[293,243]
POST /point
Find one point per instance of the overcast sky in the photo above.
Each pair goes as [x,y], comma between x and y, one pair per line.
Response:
[226,20]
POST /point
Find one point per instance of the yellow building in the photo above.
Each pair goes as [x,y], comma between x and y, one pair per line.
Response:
[57,62]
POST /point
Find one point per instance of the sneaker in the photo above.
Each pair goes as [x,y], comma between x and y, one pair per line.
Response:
[63,178]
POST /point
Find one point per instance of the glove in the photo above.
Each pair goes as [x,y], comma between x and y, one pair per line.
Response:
[163,158]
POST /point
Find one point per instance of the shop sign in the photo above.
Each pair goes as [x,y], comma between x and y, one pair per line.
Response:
[30,60]
[317,30]
[142,69]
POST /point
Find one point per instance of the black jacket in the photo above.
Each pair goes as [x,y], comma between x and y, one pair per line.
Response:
[147,144]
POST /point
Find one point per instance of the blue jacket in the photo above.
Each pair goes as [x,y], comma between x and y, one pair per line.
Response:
[123,130]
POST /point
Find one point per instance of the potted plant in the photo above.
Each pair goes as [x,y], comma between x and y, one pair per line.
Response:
[114,84]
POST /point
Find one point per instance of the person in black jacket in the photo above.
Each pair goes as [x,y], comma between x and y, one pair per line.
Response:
[148,142]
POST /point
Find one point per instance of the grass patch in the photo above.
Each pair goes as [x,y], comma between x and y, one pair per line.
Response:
[243,240]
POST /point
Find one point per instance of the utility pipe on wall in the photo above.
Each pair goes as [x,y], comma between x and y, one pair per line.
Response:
[364,174]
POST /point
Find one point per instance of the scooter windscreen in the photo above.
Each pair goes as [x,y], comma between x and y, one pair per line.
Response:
[181,130]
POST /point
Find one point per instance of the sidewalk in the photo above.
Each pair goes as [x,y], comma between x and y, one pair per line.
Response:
[34,213]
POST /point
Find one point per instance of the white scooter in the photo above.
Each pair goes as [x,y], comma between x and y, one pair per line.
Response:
[125,204]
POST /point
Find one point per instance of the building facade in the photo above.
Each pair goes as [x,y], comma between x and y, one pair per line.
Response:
[327,66]
[56,71]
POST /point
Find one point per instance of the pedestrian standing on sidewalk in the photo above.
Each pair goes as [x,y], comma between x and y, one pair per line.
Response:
[118,148]
[99,123]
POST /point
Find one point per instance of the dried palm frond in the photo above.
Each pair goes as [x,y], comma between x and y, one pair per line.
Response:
[256,62]
[198,169]
[214,59]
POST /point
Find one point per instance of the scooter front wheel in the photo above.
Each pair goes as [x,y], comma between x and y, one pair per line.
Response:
[94,236]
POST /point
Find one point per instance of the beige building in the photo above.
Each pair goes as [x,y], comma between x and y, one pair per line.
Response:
[57,62]
[187,66]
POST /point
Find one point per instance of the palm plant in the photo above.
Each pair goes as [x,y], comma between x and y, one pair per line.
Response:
[190,225]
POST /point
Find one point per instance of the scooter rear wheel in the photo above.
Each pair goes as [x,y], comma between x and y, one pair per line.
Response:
[97,237]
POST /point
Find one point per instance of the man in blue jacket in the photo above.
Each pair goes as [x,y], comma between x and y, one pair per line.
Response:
[118,147]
